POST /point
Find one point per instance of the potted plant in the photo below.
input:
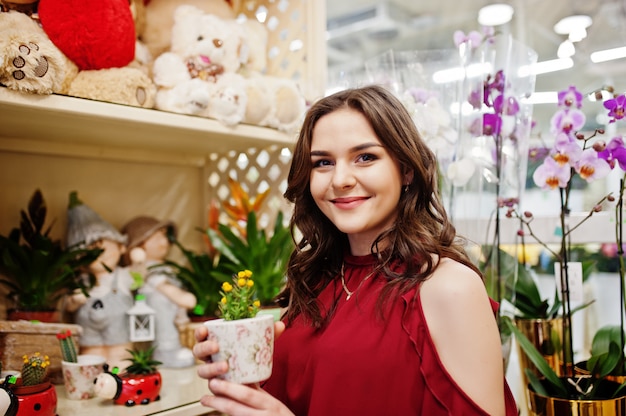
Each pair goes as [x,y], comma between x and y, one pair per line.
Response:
[246,338]
[266,255]
[33,389]
[36,268]
[199,276]
[139,384]
[573,154]
[246,245]
[79,371]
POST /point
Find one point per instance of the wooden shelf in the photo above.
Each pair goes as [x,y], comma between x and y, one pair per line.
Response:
[55,123]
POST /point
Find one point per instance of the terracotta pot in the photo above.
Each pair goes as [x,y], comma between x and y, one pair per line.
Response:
[52,316]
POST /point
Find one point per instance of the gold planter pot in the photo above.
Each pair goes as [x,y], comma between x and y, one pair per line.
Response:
[547,336]
[550,406]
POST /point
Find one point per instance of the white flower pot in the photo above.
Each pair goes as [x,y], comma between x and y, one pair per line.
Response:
[78,378]
[247,345]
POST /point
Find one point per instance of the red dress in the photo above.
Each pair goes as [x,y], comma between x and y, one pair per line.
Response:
[360,365]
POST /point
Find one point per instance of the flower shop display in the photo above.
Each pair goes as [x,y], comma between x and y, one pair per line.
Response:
[37,269]
[246,339]
[139,384]
[573,154]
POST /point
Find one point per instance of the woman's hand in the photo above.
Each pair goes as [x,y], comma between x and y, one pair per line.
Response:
[232,398]
[242,400]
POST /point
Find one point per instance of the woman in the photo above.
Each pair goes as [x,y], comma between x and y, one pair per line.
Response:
[385,314]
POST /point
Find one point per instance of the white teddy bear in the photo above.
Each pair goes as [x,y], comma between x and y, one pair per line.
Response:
[198,75]
[213,69]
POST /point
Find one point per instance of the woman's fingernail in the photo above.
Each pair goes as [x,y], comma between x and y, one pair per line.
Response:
[214,383]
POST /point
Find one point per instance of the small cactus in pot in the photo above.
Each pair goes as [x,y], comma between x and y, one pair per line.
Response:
[34,369]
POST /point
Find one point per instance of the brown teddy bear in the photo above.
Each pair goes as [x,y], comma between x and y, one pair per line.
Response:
[31,62]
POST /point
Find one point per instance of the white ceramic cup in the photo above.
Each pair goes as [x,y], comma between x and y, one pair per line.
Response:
[78,377]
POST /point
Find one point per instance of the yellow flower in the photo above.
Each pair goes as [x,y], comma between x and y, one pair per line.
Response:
[257,303]
[227,287]
[250,283]
[223,301]
[241,282]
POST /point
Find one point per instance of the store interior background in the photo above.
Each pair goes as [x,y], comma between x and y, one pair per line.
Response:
[361,29]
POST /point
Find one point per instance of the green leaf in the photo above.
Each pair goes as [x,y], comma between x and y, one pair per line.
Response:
[537,359]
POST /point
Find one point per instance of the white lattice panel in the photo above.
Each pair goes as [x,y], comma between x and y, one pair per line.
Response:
[256,170]
[296,42]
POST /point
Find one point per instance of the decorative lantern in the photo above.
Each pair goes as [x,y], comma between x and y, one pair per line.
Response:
[141,320]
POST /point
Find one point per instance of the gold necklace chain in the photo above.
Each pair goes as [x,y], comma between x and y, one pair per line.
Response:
[345,288]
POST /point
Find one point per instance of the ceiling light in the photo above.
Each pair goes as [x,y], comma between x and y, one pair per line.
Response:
[495,14]
[608,55]
[577,23]
[566,49]
[543,67]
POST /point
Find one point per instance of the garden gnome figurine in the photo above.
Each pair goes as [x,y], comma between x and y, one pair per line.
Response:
[102,315]
[148,245]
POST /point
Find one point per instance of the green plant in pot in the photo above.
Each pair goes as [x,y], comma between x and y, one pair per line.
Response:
[37,269]
[245,245]
[266,254]
[199,275]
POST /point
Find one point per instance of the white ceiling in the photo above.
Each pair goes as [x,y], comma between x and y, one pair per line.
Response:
[419,24]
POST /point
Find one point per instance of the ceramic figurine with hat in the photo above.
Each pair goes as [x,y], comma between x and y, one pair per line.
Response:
[101,314]
[149,245]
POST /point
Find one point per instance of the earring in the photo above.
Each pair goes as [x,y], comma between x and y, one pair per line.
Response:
[406,188]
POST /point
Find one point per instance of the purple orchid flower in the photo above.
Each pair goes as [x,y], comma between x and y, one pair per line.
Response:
[590,167]
[567,120]
[614,152]
[566,152]
[616,107]
[551,175]
[492,124]
[570,97]
[474,38]
[507,106]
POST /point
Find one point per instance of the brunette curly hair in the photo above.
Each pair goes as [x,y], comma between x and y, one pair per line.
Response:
[420,237]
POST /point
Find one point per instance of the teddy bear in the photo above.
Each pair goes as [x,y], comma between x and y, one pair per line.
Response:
[158,19]
[31,62]
[109,71]
[214,69]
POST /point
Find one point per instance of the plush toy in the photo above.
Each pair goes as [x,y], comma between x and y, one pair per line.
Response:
[199,74]
[93,34]
[29,61]
[156,32]
[214,70]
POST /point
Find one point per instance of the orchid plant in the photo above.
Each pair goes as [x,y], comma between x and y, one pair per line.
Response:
[573,154]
